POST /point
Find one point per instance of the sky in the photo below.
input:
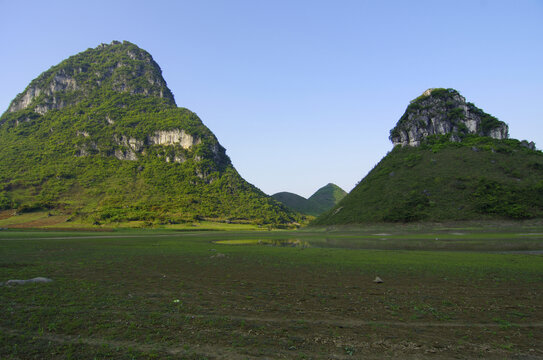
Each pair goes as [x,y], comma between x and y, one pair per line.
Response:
[301,93]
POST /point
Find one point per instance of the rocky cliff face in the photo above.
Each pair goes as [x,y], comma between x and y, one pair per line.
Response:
[174,137]
[178,140]
[443,112]
[171,145]
[59,82]
[121,67]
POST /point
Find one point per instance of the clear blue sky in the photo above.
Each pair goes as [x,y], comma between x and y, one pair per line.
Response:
[301,93]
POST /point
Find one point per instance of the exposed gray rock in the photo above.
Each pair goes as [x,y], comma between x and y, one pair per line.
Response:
[131,147]
[86,149]
[126,155]
[174,137]
[442,112]
[22,282]
[529,145]
[67,83]
[176,158]
[60,82]
[129,142]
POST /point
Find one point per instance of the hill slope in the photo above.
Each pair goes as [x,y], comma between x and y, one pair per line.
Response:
[327,196]
[295,202]
[99,136]
[449,176]
[322,200]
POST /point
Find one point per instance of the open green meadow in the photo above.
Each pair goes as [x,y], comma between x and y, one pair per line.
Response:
[448,292]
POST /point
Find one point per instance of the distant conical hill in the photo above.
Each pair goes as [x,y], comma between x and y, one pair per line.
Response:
[327,196]
[100,137]
[452,161]
[322,200]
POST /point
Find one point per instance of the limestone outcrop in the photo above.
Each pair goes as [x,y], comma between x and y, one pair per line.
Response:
[444,112]
[173,137]
[129,69]
[130,147]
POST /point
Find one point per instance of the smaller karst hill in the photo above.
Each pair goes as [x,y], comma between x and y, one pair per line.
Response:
[451,161]
[322,200]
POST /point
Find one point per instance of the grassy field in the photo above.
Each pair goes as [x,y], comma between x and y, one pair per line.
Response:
[448,292]
[51,220]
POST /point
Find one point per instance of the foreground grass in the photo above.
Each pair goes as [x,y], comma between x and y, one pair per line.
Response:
[167,294]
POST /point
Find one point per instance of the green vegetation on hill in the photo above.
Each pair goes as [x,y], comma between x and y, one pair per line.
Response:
[321,201]
[478,178]
[85,149]
[327,196]
[295,202]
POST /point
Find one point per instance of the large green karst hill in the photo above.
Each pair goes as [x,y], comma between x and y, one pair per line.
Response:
[99,137]
[451,161]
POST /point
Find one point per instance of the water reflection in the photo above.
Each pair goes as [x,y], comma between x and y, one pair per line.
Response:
[438,242]
[268,242]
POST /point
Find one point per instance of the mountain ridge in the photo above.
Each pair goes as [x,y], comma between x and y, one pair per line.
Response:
[320,201]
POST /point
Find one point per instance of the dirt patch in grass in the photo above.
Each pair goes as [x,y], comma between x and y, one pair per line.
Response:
[6,214]
[39,223]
